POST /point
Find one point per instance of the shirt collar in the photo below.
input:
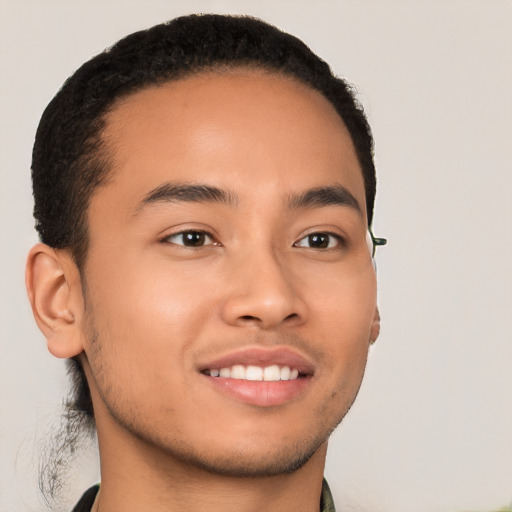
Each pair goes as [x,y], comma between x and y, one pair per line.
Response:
[326,502]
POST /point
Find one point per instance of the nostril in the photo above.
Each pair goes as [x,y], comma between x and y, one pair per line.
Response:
[252,319]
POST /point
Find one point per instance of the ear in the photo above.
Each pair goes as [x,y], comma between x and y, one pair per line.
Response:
[375,329]
[55,294]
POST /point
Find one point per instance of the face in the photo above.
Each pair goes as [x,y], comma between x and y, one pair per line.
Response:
[230,294]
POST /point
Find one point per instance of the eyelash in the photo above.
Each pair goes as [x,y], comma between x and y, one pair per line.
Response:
[197,232]
[340,241]
[201,235]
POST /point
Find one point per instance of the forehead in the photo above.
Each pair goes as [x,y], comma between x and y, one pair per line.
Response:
[252,130]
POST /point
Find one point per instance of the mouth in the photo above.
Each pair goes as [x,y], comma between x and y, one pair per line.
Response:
[271,373]
[261,377]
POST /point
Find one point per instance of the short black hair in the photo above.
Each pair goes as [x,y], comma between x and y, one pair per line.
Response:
[70,159]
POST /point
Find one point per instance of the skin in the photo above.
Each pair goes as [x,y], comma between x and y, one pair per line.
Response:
[152,312]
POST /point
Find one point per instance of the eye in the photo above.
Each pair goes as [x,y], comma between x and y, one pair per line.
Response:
[319,241]
[190,239]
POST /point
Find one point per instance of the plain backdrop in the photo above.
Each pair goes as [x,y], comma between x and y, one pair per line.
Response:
[431,430]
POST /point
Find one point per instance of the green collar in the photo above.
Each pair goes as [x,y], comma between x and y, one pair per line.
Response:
[326,502]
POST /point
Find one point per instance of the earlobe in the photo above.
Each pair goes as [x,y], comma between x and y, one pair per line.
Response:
[375,329]
[54,290]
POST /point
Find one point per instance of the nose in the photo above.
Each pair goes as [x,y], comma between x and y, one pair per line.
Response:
[262,293]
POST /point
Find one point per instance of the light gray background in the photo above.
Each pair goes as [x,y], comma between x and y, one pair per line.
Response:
[432,427]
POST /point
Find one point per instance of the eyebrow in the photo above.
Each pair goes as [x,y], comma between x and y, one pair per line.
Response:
[324,196]
[199,193]
[179,192]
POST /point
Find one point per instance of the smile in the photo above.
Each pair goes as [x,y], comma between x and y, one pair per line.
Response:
[258,376]
[255,373]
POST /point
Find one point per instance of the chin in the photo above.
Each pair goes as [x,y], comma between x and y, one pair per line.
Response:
[250,463]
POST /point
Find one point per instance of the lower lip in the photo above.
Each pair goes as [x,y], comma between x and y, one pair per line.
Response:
[261,393]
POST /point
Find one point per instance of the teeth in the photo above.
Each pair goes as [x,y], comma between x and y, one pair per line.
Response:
[272,373]
[238,372]
[256,373]
[225,372]
[285,373]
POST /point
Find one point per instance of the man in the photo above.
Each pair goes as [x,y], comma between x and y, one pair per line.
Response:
[204,194]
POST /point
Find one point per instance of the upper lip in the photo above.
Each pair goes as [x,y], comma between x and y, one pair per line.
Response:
[257,356]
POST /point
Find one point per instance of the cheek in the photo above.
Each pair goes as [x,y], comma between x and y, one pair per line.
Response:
[145,319]
[343,318]
[346,305]
[149,297]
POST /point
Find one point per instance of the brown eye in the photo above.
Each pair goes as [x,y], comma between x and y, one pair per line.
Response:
[319,241]
[190,239]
